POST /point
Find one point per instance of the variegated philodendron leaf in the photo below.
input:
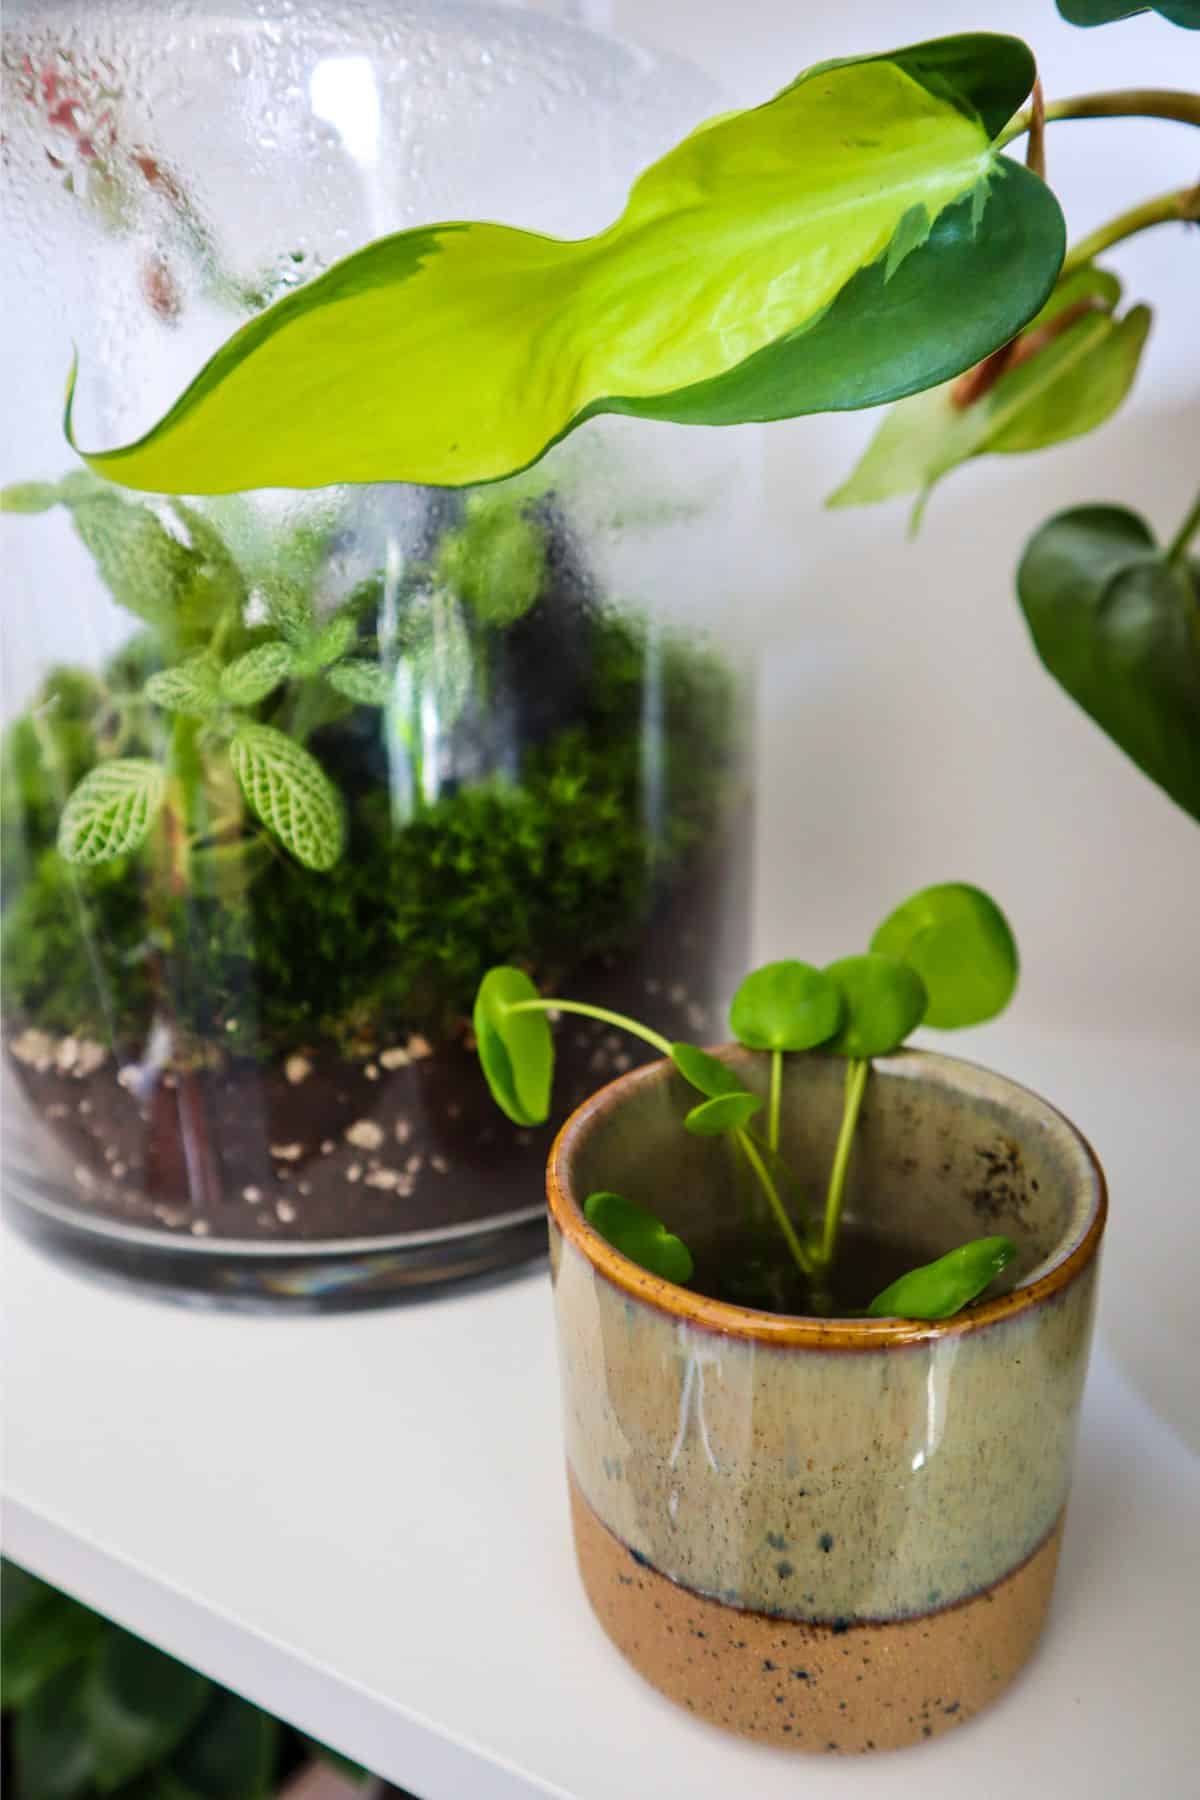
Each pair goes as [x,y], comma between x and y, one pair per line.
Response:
[457,353]
[250,678]
[192,687]
[111,810]
[361,681]
[1069,371]
[290,792]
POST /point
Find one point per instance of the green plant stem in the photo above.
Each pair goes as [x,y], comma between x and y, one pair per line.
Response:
[1180,205]
[775,1101]
[1122,103]
[659,1043]
[799,1254]
[1177,548]
[857,1070]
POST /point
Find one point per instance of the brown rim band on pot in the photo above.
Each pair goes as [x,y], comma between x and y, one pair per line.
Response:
[1076,1250]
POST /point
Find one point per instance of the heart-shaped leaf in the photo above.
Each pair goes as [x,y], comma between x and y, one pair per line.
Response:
[290,792]
[961,946]
[250,678]
[708,1074]
[457,353]
[940,1289]
[516,1049]
[883,1000]
[1114,621]
[1185,13]
[725,1112]
[112,809]
[637,1234]
[1070,370]
[192,687]
[785,1006]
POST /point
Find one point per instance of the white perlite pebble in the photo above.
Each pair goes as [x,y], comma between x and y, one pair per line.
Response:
[287,1152]
[200,1227]
[34,1048]
[285,1212]
[418,1047]
[297,1069]
[364,1134]
[403,1131]
[252,1195]
[394,1059]
[354,1172]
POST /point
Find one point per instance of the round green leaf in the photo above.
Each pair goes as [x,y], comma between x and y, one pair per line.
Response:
[726,1112]
[456,353]
[785,1006]
[291,793]
[1113,620]
[940,1289]
[883,1000]
[637,1234]
[1184,13]
[112,809]
[708,1074]
[516,1049]
[960,944]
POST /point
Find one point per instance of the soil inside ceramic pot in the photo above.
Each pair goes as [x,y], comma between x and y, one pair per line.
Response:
[754,1269]
[319,1146]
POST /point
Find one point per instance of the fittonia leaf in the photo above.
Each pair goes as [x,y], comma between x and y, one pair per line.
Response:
[112,810]
[457,353]
[290,792]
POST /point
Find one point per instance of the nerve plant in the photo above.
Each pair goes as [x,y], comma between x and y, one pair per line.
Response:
[945,958]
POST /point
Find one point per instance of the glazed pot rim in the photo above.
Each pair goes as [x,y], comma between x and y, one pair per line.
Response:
[1075,1250]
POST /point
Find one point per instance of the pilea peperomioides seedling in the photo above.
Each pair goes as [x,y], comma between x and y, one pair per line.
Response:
[945,957]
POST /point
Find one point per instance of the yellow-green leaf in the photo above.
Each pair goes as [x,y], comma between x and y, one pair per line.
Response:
[1072,382]
[855,239]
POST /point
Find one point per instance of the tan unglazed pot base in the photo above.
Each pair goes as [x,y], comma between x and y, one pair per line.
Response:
[858,1687]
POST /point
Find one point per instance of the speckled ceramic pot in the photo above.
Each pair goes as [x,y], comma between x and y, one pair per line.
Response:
[832,1534]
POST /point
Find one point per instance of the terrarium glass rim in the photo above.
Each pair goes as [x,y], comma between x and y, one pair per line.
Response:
[1075,1251]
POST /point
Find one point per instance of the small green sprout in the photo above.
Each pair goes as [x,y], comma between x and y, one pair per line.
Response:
[946,957]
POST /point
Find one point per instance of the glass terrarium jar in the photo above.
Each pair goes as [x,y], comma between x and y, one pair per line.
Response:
[393,735]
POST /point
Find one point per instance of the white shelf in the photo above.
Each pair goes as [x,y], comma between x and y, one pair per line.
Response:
[360,1521]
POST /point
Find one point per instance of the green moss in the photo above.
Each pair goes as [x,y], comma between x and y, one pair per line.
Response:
[545,870]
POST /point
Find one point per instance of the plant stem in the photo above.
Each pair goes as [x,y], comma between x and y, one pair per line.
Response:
[775,1101]
[661,1044]
[1179,205]
[857,1070]
[1177,548]
[1121,103]
[799,1254]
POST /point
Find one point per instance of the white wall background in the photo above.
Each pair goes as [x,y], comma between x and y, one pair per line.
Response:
[909,732]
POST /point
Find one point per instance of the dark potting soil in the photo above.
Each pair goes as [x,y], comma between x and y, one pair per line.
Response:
[754,1269]
[321,1147]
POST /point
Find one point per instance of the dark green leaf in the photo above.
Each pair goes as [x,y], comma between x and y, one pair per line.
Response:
[727,1112]
[883,1000]
[20,1592]
[708,1074]
[1185,13]
[785,1006]
[1062,382]
[139,1706]
[942,1288]
[47,1632]
[52,1744]
[638,1235]
[960,944]
[1119,627]
[457,353]
[516,1050]
[230,1753]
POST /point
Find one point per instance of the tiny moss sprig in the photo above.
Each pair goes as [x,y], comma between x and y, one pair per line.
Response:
[945,957]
